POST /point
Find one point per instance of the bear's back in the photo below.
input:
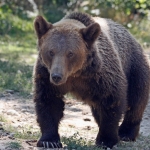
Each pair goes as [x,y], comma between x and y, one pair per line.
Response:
[123,43]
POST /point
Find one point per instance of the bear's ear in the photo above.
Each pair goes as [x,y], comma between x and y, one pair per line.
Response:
[41,26]
[91,33]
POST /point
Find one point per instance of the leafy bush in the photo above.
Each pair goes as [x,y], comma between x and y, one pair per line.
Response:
[13,25]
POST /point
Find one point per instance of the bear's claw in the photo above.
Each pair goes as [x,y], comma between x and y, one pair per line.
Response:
[50,144]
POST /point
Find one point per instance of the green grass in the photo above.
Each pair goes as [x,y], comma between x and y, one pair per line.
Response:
[17,55]
[2,118]
[18,52]
[16,76]
[78,143]
[81,143]
[16,145]
[25,132]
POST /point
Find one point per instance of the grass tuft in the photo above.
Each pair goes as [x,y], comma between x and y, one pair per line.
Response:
[78,143]
[14,145]
[23,132]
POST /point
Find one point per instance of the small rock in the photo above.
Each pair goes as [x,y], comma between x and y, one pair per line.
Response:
[87,119]
[84,113]
[1,124]
[87,128]
[23,110]
[12,134]
[1,128]
[5,134]
[12,112]
[30,147]
[16,125]
[29,132]
[70,125]
[10,91]
[11,137]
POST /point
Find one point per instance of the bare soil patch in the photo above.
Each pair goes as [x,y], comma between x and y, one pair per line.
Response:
[19,113]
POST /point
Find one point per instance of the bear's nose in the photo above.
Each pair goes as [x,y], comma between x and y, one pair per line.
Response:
[56,77]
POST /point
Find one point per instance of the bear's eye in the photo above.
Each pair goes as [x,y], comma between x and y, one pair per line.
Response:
[70,54]
[51,53]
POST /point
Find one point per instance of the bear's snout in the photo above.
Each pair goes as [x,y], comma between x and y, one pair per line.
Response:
[56,77]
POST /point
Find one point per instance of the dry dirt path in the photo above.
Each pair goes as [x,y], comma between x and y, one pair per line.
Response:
[20,114]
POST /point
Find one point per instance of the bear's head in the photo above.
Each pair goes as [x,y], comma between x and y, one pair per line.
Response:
[63,46]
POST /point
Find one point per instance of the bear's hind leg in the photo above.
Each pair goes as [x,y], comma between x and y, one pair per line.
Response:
[138,93]
[107,120]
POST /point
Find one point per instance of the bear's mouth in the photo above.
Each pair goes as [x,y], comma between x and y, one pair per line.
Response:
[57,81]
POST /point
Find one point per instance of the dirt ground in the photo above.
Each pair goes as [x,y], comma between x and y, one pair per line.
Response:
[20,114]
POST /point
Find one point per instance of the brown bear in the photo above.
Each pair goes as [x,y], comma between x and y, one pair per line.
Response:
[99,62]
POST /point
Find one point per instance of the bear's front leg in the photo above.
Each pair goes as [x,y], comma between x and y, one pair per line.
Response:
[49,109]
[107,117]
[48,116]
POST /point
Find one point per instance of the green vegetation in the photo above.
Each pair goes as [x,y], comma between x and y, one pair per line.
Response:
[141,33]
[14,145]
[15,76]
[23,132]
[2,118]
[78,143]
[17,54]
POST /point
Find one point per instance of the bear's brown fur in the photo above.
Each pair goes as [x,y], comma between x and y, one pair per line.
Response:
[98,61]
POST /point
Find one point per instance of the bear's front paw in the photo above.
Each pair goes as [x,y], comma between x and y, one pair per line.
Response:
[48,144]
[107,143]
